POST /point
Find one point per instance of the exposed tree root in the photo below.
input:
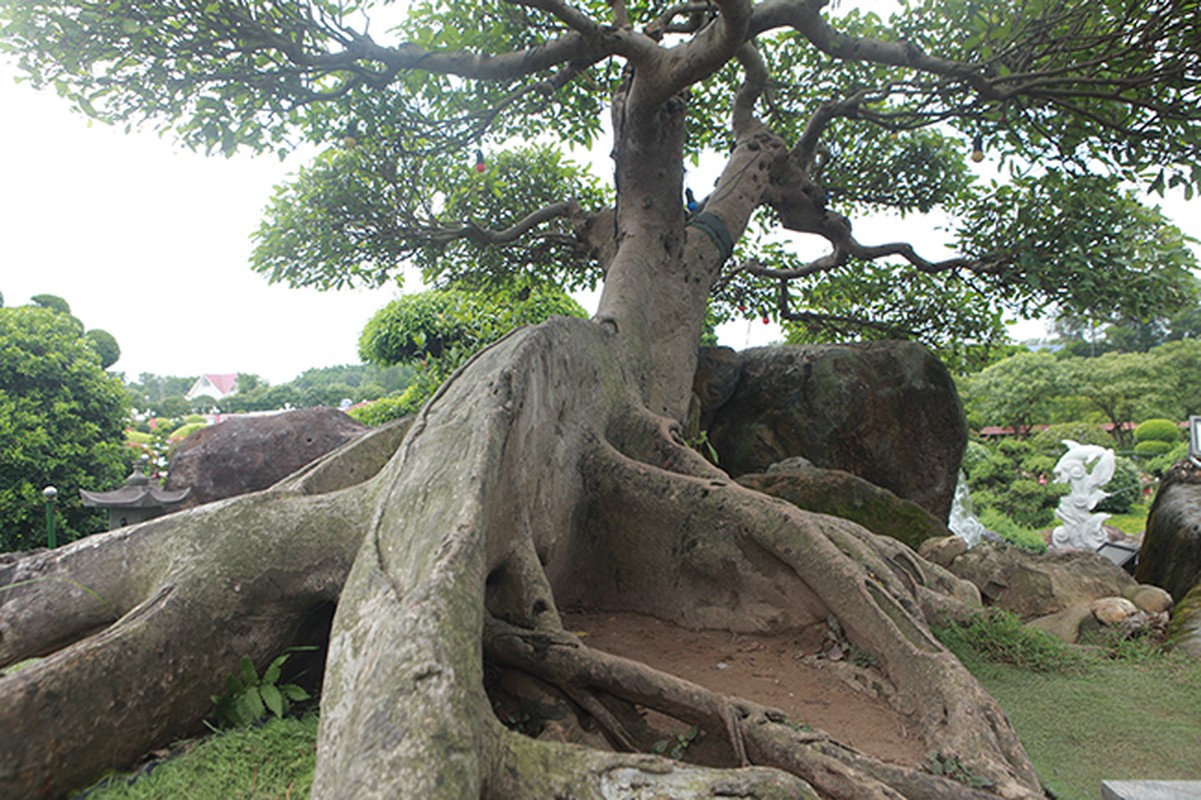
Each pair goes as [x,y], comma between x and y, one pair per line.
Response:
[140,626]
[535,480]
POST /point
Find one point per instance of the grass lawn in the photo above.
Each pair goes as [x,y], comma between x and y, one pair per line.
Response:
[1117,721]
[1136,717]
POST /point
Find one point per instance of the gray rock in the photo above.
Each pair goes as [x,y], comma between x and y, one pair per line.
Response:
[943,550]
[841,494]
[1064,625]
[1170,556]
[1032,585]
[246,454]
[887,412]
[1148,598]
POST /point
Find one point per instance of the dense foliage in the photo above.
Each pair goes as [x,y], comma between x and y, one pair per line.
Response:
[1014,478]
[61,423]
[1041,388]
[436,331]
[428,156]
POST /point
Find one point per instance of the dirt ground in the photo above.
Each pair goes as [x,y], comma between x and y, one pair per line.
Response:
[766,669]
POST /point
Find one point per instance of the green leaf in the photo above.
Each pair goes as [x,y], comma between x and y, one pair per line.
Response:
[273,699]
[249,676]
[271,674]
[294,693]
[250,706]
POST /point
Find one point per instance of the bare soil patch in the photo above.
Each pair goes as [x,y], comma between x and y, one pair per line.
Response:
[763,668]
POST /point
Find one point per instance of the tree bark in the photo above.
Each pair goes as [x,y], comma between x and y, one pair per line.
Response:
[549,472]
[537,478]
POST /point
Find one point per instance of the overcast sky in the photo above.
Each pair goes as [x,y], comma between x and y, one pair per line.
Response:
[151,243]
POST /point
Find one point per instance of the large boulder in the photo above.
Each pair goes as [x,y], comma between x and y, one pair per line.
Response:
[841,494]
[246,454]
[1171,551]
[885,411]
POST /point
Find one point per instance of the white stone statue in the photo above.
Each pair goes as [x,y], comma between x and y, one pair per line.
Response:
[1081,528]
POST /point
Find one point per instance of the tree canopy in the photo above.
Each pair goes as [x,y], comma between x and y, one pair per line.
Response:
[1075,102]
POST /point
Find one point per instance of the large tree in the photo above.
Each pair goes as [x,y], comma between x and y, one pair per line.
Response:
[549,472]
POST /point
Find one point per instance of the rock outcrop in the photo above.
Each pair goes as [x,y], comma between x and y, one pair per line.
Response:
[887,412]
[246,454]
[1032,585]
[841,494]
[1171,551]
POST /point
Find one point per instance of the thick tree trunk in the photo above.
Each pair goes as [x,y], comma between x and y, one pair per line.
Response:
[548,473]
[536,479]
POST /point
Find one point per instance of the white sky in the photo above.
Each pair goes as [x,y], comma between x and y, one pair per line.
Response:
[151,242]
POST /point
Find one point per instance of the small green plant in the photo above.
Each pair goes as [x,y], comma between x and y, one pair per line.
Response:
[249,697]
[702,445]
[949,766]
[678,745]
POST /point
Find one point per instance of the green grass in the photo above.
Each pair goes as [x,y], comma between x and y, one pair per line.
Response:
[274,760]
[1132,522]
[1100,718]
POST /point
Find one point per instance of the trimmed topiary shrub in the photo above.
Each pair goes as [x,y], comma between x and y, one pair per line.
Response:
[1031,504]
[1159,464]
[1026,538]
[1152,448]
[1157,430]
[386,409]
[184,431]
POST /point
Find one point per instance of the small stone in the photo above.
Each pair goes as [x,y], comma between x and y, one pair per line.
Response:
[722,665]
[942,550]
[1064,625]
[1112,610]
[1151,599]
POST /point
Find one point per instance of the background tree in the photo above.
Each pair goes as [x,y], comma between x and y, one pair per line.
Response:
[1176,366]
[1017,393]
[61,424]
[1121,386]
[549,472]
[1091,337]
[149,390]
[436,331]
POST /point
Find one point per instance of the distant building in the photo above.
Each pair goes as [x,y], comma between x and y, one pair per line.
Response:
[214,386]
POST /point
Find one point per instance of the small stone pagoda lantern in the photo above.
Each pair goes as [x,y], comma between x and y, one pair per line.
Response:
[136,501]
